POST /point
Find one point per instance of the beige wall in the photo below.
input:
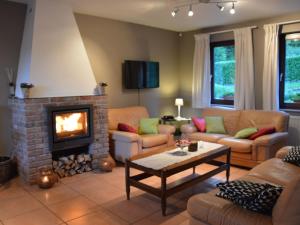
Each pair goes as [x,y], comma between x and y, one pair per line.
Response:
[11,26]
[109,43]
[187,51]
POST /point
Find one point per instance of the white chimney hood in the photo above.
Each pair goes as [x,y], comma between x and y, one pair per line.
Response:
[53,57]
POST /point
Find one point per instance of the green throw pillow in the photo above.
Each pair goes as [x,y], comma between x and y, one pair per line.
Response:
[215,124]
[245,133]
[148,126]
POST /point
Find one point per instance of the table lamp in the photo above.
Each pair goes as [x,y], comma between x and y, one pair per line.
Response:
[179,103]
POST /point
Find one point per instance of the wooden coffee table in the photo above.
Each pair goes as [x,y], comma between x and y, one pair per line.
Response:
[165,190]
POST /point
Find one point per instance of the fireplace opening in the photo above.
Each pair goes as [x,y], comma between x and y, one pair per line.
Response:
[70,126]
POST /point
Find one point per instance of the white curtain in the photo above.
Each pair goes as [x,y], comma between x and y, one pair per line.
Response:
[271,69]
[201,72]
[244,97]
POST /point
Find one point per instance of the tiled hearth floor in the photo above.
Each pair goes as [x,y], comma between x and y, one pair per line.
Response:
[97,199]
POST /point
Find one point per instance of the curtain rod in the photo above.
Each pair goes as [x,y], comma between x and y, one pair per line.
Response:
[288,22]
[226,31]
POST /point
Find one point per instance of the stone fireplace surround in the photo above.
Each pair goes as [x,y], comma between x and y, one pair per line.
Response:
[30,131]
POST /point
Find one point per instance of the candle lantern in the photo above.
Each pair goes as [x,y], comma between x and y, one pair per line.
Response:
[106,165]
[46,178]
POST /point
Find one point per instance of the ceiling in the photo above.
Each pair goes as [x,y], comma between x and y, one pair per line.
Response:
[156,13]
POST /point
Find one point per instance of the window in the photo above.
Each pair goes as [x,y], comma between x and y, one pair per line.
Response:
[223,72]
[289,91]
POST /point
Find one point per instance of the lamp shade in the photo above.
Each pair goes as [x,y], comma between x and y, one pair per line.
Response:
[179,101]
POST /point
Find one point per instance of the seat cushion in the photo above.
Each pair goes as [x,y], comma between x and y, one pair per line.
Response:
[151,140]
[197,136]
[276,171]
[237,145]
[215,211]
[287,208]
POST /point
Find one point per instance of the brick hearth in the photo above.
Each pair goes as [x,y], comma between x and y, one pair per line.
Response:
[30,131]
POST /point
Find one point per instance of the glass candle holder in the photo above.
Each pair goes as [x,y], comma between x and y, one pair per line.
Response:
[46,178]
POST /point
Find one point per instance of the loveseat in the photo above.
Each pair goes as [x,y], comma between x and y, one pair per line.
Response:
[247,153]
[208,209]
[124,145]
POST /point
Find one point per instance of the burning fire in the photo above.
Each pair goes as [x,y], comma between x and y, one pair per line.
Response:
[69,123]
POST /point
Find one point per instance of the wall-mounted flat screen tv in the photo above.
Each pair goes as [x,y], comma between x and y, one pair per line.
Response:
[141,74]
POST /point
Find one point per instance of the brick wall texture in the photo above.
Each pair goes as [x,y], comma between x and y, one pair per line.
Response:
[30,131]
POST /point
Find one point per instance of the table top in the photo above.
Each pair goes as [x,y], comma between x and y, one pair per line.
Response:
[165,159]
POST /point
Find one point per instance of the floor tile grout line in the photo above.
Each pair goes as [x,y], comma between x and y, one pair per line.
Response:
[45,206]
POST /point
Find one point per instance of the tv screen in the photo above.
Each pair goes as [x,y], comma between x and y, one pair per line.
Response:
[141,74]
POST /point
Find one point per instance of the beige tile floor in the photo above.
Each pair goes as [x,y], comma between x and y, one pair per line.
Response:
[98,199]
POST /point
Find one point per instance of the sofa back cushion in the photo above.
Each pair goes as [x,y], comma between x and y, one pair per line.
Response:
[128,115]
[287,208]
[230,116]
[260,119]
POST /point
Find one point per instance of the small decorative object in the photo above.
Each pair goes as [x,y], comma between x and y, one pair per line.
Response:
[5,169]
[10,76]
[182,143]
[106,165]
[101,88]
[26,89]
[193,147]
[46,178]
[179,103]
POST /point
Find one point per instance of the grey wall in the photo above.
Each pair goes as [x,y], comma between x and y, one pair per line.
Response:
[109,43]
[12,16]
[187,51]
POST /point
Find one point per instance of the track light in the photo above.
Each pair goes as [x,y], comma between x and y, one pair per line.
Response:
[190,13]
[232,10]
[221,7]
[174,12]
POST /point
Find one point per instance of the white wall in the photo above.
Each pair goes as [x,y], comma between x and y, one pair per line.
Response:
[53,57]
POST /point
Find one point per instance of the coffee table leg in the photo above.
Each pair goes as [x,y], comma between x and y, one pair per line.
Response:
[194,170]
[127,174]
[163,194]
[228,165]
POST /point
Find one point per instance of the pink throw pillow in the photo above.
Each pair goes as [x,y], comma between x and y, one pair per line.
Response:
[199,124]
[127,128]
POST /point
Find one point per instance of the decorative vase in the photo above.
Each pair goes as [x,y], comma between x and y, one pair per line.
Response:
[101,90]
[25,92]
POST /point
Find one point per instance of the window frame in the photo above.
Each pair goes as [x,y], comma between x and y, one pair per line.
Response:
[212,46]
[282,60]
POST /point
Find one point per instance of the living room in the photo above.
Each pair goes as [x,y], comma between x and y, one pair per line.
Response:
[217,105]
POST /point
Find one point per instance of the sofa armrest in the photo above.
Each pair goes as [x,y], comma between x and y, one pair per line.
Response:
[271,139]
[188,129]
[283,152]
[166,129]
[125,136]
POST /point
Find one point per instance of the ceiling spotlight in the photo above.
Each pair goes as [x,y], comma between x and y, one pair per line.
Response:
[190,13]
[174,12]
[221,7]
[232,10]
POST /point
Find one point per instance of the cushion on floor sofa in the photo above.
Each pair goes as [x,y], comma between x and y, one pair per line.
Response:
[287,208]
[206,137]
[212,210]
[151,140]
[276,171]
[237,145]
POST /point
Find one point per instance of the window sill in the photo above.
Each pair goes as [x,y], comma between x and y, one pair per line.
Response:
[290,110]
[222,106]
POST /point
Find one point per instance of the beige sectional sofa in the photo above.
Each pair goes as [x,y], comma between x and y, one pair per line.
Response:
[208,209]
[124,145]
[245,152]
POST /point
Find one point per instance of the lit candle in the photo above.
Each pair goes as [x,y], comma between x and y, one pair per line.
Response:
[45,179]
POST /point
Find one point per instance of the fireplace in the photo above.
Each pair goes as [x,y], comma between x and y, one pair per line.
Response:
[70,126]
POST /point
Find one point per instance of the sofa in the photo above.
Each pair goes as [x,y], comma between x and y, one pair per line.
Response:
[208,209]
[245,152]
[124,145]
